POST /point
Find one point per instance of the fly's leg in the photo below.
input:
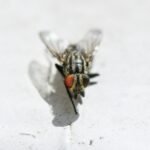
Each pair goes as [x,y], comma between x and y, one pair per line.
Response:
[74,107]
[82,93]
[92,83]
[60,69]
[93,75]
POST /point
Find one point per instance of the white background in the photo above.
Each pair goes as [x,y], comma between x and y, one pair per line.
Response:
[115,115]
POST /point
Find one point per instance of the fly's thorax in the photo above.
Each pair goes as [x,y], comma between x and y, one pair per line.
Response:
[75,62]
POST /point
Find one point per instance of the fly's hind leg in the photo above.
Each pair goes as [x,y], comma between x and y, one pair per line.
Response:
[93,75]
[92,83]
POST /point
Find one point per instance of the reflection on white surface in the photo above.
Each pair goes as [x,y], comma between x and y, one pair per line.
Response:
[53,93]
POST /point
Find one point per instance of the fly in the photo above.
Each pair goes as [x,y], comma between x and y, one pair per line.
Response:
[75,61]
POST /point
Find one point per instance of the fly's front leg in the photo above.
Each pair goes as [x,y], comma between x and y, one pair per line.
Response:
[60,69]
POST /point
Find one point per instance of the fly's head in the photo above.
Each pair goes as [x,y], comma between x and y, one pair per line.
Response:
[76,83]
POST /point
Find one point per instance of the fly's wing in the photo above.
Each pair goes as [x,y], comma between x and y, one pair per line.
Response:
[90,42]
[55,45]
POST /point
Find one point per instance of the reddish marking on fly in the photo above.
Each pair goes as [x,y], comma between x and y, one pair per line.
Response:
[69,80]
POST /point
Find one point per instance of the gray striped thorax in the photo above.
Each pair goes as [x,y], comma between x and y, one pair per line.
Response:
[75,62]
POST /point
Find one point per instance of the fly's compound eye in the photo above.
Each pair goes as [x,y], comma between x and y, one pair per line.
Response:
[69,80]
[85,80]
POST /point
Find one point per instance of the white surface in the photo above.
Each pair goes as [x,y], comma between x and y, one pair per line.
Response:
[115,113]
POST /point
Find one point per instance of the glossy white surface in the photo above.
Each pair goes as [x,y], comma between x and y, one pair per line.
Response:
[115,113]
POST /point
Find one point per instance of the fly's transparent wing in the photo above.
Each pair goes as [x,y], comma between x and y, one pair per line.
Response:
[90,42]
[55,45]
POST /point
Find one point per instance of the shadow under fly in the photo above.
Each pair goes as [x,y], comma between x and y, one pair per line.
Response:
[53,92]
